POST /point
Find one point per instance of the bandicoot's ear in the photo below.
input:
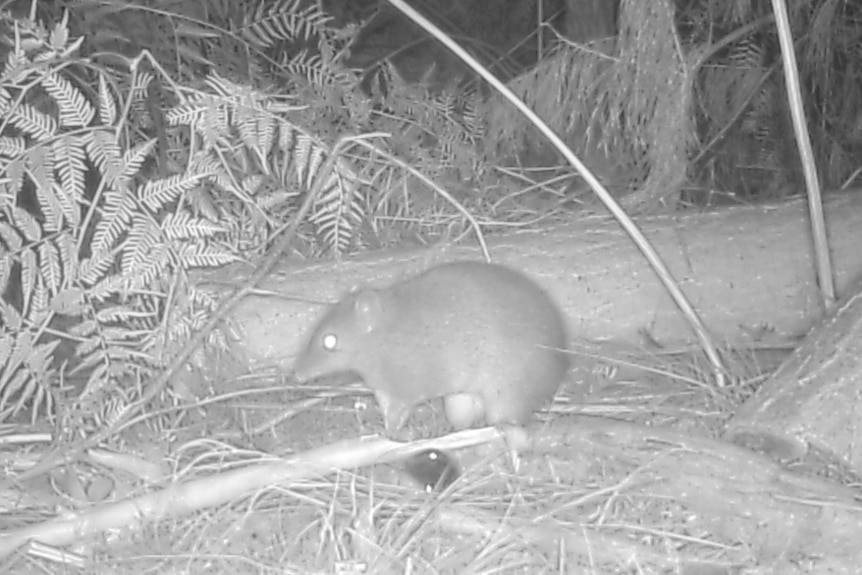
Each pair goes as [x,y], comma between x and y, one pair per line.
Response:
[367,309]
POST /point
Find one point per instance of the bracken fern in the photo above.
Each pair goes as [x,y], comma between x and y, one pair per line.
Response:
[96,249]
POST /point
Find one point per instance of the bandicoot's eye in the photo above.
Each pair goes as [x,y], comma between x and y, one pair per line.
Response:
[330,342]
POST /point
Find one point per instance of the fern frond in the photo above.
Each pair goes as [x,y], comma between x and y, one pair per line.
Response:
[65,243]
[107,105]
[29,273]
[16,66]
[155,265]
[112,242]
[307,157]
[52,208]
[35,390]
[274,199]
[285,20]
[143,237]
[40,162]
[40,301]
[70,161]
[218,339]
[115,314]
[140,86]
[192,256]
[112,412]
[180,330]
[12,319]
[68,206]
[104,151]
[14,179]
[75,110]
[33,122]
[192,112]
[223,88]
[93,269]
[338,211]
[182,225]
[201,298]
[257,132]
[12,147]
[49,259]
[212,125]
[119,210]
[309,67]
[157,194]
[134,158]
[201,202]
[21,345]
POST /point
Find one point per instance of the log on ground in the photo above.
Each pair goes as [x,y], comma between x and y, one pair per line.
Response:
[747,270]
[705,494]
[807,412]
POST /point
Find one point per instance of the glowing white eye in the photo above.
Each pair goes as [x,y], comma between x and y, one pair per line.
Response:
[330,342]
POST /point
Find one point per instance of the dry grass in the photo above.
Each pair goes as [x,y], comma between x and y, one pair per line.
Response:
[573,506]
